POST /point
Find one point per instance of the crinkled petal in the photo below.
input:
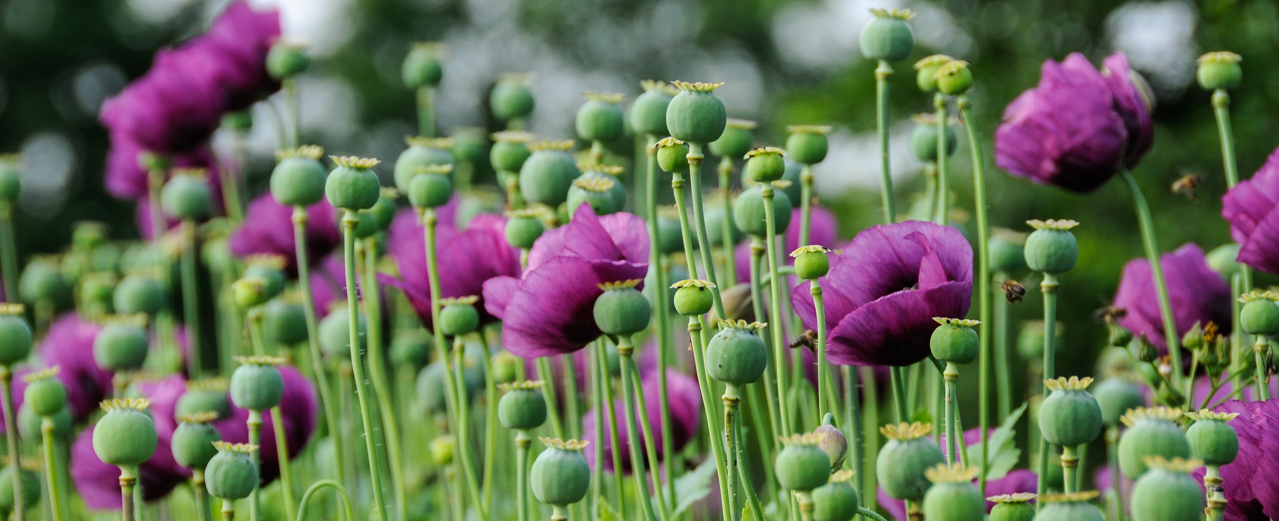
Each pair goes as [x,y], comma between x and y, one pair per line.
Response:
[894,330]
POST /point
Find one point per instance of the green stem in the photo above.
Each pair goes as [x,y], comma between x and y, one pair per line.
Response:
[882,73]
[953,445]
[50,468]
[869,433]
[1221,108]
[1157,272]
[823,371]
[347,514]
[726,224]
[286,466]
[545,374]
[699,221]
[11,439]
[377,369]
[290,85]
[690,259]
[1112,461]
[606,382]
[572,405]
[191,298]
[943,155]
[624,351]
[870,513]
[805,204]
[8,253]
[425,111]
[660,308]
[729,438]
[854,426]
[772,389]
[1260,349]
[231,183]
[805,506]
[1049,369]
[598,372]
[1236,339]
[1003,377]
[255,439]
[697,335]
[349,221]
[490,424]
[752,500]
[313,340]
[899,394]
[1069,466]
[522,442]
[201,494]
[1216,494]
[646,428]
[775,306]
[128,478]
[558,513]
[983,281]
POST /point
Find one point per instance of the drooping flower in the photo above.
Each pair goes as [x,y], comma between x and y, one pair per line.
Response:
[1079,126]
[1254,222]
[268,229]
[685,413]
[547,311]
[884,289]
[824,232]
[1198,294]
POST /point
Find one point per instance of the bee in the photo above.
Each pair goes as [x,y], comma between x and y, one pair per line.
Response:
[1013,290]
[1188,185]
[808,339]
[1110,314]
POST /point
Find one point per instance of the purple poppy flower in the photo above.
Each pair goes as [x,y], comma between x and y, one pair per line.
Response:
[125,178]
[69,345]
[1198,294]
[685,410]
[298,410]
[467,259]
[328,283]
[825,232]
[1254,223]
[244,36]
[884,289]
[268,229]
[1079,126]
[547,311]
[170,109]
[1251,493]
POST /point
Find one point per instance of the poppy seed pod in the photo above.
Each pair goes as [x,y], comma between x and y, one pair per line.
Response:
[560,475]
[832,440]
[693,297]
[888,37]
[1151,432]
[1116,396]
[954,78]
[748,211]
[801,465]
[548,173]
[41,280]
[836,500]
[249,292]
[954,340]
[736,355]
[193,440]
[672,155]
[1069,416]
[736,140]
[807,144]
[953,497]
[284,321]
[903,460]
[1219,70]
[138,293]
[441,450]
[45,394]
[1260,313]
[926,69]
[286,60]
[523,227]
[30,484]
[648,112]
[594,192]
[601,118]
[231,474]
[458,316]
[269,268]
[30,423]
[1212,439]
[811,262]
[765,164]
[384,209]
[670,236]
[608,173]
[352,185]
[1051,248]
[923,139]
[15,335]
[696,114]
[1007,250]
[1012,507]
[506,367]
[209,395]
[622,310]
[432,387]
[10,177]
[411,349]
[125,436]
[523,407]
[509,150]
[422,153]
[510,98]
[1167,492]
[298,178]
[421,67]
[186,196]
[335,332]
[1076,506]
[257,384]
[431,187]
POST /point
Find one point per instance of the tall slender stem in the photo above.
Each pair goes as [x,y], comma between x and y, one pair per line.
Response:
[1216,494]
[953,445]
[545,374]
[128,478]
[646,428]
[699,221]
[313,340]
[11,439]
[8,253]
[775,306]
[597,396]
[426,111]
[1112,462]
[772,390]
[730,441]
[377,369]
[624,351]
[752,500]
[695,331]
[286,466]
[806,181]
[1157,273]
[1260,349]
[522,442]
[823,371]
[255,439]
[882,73]
[1049,369]
[1069,466]
[606,383]
[230,181]
[490,424]
[943,178]
[726,224]
[191,298]
[1221,108]
[51,468]
[854,426]
[870,435]
[201,496]
[983,281]
[660,308]
[572,405]
[1003,379]
[228,510]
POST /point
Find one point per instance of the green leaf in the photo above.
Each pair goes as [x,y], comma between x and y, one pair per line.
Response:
[1004,453]
[922,416]
[693,486]
[607,512]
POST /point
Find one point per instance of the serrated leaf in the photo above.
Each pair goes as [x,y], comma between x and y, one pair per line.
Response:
[606,512]
[693,487]
[1004,453]
[748,516]
[922,416]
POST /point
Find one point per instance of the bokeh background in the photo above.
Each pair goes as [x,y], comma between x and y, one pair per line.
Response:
[784,62]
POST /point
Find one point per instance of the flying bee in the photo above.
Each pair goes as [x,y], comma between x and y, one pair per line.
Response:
[1188,185]
[1013,290]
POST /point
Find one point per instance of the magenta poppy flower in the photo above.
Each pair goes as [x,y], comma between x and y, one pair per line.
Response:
[548,310]
[298,410]
[1198,294]
[1254,223]
[244,36]
[1251,493]
[825,232]
[69,345]
[884,289]
[685,410]
[268,229]
[1079,126]
[170,109]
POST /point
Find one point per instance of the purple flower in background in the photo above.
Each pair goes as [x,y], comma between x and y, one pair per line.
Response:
[1079,126]
[244,36]
[548,311]
[171,109]
[884,289]
[297,407]
[1250,207]
[268,229]
[1198,294]
[328,282]
[685,411]
[125,177]
[69,345]
[1251,493]
[825,232]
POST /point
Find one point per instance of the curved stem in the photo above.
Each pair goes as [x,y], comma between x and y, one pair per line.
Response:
[8,253]
[870,513]
[11,439]
[699,221]
[343,498]
[377,369]
[882,73]
[255,439]
[1157,273]
[624,351]
[775,307]
[983,273]
[313,340]
[50,468]
[1049,368]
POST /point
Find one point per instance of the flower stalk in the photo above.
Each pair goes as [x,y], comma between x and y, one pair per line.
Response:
[663,324]
[377,368]
[1151,245]
[983,270]
[11,440]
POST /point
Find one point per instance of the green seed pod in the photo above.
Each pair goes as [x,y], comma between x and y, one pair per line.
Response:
[41,281]
[421,154]
[469,144]
[1211,438]
[609,173]
[335,333]
[954,78]
[45,394]
[1007,250]
[672,155]
[193,440]
[458,316]
[284,321]
[286,60]
[510,150]
[384,209]
[548,173]
[30,423]
[923,139]
[904,459]
[811,262]
[139,293]
[15,335]
[30,482]
[807,144]
[257,385]
[953,496]
[411,349]
[353,185]
[1052,248]
[11,177]
[1069,416]
[96,292]
[125,436]
[765,164]
[1116,396]
[366,224]
[560,475]
[441,450]
[1260,313]
[1219,70]
[736,140]
[431,187]
[511,99]
[231,474]
[1151,432]
[240,122]
[832,440]
[954,340]
[421,67]
[714,214]
[269,268]
[622,310]
[186,196]
[1069,507]
[522,407]
[670,236]
[1167,492]
[431,388]
[926,69]
[888,37]
[648,112]
[693,297]
[801,465]
[594,192]
[1012,507]
[748,211]
[208,395]
[601,118]
[523,227]
[1222,260]
[249,292]
[836,500]
[298,179]
[696,114]
[506,367]
[737,355]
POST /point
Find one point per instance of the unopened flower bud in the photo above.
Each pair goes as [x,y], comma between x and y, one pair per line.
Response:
[1119,336]
[249,292]
[335,332]
[832,440]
